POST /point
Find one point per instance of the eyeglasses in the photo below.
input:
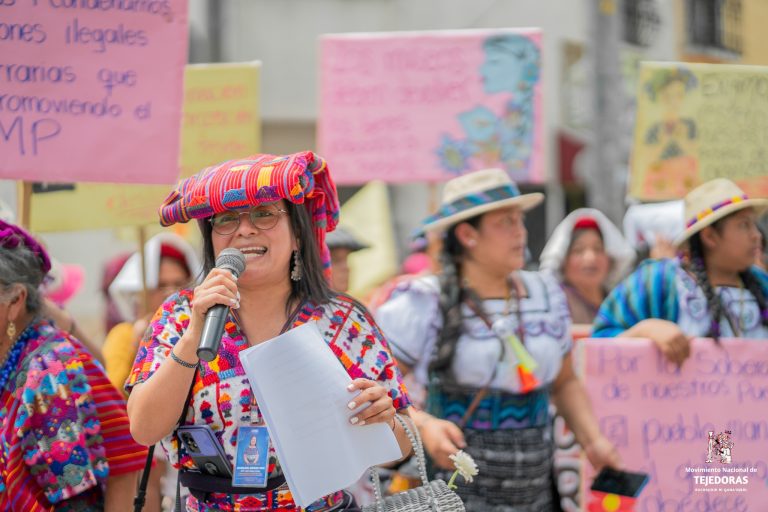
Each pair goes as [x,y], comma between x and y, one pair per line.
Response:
[261,217]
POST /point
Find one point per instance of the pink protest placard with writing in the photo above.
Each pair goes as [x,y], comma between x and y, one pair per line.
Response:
[91,91]
[700,432]
[428,106]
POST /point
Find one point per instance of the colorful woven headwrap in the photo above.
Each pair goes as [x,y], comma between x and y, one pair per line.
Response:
[301,178]
[11,236]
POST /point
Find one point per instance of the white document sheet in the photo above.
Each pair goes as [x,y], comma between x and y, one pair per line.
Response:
[301,388]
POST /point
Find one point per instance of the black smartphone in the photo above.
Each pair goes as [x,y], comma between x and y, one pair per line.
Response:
[201,444]
[624,483]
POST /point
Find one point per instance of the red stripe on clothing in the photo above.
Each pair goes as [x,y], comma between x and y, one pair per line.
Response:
[124,455]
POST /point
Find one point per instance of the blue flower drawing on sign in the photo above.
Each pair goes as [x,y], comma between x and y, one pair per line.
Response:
[511,66]
[453,154]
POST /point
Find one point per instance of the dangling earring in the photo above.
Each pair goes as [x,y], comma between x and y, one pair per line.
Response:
[296,273]
[11,331]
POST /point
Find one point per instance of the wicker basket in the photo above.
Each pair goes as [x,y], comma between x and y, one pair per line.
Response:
[434,496]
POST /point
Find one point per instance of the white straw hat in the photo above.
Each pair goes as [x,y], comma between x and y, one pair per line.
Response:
[478,192]
[710,202]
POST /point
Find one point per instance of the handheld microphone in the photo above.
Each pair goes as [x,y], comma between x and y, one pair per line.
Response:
[215,318]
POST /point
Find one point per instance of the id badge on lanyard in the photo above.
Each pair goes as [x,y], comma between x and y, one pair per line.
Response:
[252,459]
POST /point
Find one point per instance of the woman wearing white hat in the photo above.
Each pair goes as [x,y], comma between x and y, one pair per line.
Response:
[589,256]
[714,291]
[492,343]
[170,264]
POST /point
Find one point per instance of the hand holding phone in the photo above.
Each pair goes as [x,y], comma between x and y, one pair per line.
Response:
[207,453]
[624,483]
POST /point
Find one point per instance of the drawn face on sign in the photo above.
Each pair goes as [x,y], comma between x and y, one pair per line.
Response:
[668,88]
[511,64]
[671,97]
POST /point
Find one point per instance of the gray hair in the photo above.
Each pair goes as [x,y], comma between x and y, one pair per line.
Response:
[20,265]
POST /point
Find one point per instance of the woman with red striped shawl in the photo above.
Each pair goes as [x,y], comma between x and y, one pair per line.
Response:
[66,444]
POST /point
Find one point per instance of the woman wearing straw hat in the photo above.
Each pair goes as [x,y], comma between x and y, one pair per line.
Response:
[714,291]
[276,210]
[492,343]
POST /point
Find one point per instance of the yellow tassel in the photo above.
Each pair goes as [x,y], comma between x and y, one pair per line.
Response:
[522,355]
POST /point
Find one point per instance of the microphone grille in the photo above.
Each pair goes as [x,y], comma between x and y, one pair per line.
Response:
[232,260]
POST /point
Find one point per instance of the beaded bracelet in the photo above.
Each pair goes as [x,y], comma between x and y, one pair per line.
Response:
[182,362]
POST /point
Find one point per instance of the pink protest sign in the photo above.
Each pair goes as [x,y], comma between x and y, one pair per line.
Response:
[700,432]
[428,106]
[91,91]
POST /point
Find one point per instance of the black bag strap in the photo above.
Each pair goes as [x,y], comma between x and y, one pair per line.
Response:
[475,304]
[141,493]
[177,500]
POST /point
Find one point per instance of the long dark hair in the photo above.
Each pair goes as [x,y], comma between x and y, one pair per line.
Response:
[312,286]
[698,268]
[452,295]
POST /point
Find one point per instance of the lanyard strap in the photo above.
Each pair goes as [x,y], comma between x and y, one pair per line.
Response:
[141,492]
[474,303]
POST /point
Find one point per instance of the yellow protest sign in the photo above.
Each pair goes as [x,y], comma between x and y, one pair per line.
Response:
[95,206]
[221,120]
[697,122]
[368,214]
[221,114]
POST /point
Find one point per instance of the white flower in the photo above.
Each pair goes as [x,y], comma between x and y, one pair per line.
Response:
[464,464]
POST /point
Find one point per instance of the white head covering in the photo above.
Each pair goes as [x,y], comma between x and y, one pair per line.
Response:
[644,222]
[127,285]
[616,246]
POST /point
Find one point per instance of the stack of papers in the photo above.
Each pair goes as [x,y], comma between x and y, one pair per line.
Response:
[301,389]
